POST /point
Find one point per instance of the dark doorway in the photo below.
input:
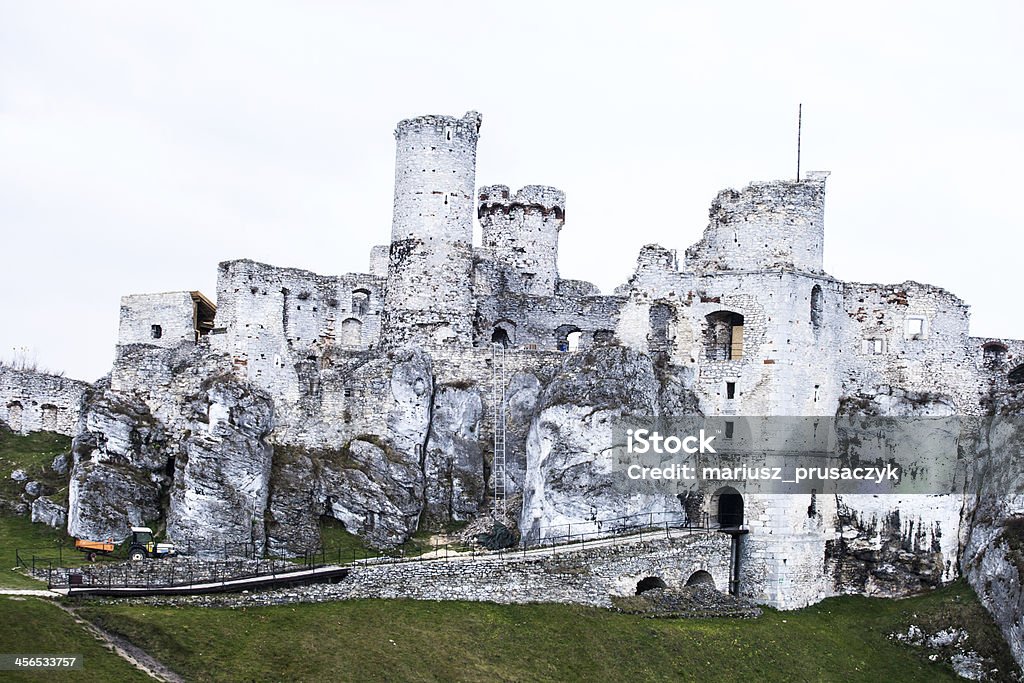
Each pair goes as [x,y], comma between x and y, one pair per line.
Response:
[730,510]
[649,583]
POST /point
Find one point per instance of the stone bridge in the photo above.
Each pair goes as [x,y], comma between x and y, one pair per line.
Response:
[589,575]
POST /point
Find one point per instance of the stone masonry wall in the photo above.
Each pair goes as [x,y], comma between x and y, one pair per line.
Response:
[32,401]
[587,577]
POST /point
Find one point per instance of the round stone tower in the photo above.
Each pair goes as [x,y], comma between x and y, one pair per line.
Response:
[522,232]
[428,296]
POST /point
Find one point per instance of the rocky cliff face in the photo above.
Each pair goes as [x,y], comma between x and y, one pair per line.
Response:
[993,554]
[569,471]
[120,467]
[222,469]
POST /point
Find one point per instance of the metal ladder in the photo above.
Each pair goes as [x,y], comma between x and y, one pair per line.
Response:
[498,413]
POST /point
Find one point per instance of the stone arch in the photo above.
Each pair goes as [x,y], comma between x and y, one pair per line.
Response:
[1016,375]
[817,307]
[726,508]
[649,583]
[360,301]
[723,338]
[15,415]
[351,332]
[701,578]
[504,333]
[994,352]
[568,337]
[660,317]
[48,421]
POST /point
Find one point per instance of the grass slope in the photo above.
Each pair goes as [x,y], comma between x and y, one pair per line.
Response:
[32,453]
[373,640]
[36,627]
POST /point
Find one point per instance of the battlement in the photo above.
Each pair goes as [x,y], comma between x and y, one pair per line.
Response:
[449,126]
[549,201]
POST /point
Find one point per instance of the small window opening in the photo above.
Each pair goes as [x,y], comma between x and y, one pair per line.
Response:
[730,429]
[993,352]
[817,307]
[660,319]
[1016,375]
[360,301]
[915,328]
[155,331]
[730,389]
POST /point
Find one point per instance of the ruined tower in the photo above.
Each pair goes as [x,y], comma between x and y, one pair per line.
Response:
[768,225]
[428,297]
[522,232]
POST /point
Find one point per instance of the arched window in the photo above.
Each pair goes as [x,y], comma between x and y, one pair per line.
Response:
[817,307]
[360,302]
[504,333]
[567,338]
[993,352]
[723,338]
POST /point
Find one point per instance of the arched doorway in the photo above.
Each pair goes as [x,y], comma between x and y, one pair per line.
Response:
[727,508]
[649,583]
[701,578]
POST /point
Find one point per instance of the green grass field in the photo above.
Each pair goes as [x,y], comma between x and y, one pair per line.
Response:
[36,627]
[374,640]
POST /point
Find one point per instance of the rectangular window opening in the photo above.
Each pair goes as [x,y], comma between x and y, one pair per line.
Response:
[730,389]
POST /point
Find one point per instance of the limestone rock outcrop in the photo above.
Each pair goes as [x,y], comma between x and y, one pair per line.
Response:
[119,467]
[570,472]
[453,464]
[222,470]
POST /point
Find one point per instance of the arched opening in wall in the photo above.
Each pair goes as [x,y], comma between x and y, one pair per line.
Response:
[1016,375]
[155,331]
[500,336]
[817,307]
[723,337]
[49,417]
[504,333]
[360,302]
[661,317]
[14,415]
[559,213]
[351,332]
[567,338]
[604,337]
[727,508]
[994,352]
[701,578]
[649,583]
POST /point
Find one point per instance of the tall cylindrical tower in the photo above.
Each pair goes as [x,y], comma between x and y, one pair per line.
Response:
[428,298]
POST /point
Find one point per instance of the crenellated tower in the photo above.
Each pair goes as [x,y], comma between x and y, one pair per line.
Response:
[522,232]
[428,298]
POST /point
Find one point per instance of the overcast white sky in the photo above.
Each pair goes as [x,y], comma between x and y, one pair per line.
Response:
[142,143]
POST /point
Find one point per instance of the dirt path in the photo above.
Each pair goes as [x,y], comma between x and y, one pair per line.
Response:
[125,650]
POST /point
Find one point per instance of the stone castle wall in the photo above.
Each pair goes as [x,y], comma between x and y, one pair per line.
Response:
[33,401]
